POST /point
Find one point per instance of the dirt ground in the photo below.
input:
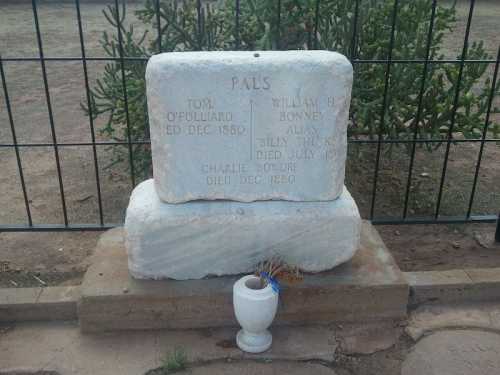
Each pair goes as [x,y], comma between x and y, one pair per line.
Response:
[442,247]
[54,258]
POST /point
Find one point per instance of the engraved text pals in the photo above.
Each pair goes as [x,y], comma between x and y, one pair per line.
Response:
[250,83]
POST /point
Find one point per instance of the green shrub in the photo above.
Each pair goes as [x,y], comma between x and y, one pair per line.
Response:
[259,31]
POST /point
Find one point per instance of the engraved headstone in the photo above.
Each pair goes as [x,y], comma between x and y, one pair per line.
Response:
[249,155]
[249,126]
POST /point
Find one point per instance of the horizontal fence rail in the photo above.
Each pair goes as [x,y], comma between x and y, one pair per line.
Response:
[312,42]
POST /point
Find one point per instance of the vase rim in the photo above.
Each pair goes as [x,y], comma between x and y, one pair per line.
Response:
[243,283]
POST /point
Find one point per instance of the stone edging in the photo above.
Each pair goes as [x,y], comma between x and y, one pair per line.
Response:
[426,287]
[428,319]
[39,304]
[453,286]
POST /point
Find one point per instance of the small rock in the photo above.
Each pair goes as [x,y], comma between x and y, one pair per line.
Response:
[39,280]
[483,240]
[125,290]
[226,344]
[83,199]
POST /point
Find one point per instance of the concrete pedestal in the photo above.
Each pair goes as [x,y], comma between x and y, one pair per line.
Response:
[368,288]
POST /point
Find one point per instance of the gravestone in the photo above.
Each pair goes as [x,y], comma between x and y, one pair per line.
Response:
[249,126]
[249,156]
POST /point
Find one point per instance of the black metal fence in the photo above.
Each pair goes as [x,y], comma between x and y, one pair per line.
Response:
[379,142]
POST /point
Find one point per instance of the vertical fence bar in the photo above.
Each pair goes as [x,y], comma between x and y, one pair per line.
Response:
[199,31]
[352,53]
[237,23]
[89,105]
[316,21]
[419,108]
[497,231]
[278,27]
[125,94]
[309,30]
[384,103]
[158,24]
[14,141]
[454,109]
[49,109]
[483,136]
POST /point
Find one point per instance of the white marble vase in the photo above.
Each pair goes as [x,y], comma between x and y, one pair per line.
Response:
[255,308]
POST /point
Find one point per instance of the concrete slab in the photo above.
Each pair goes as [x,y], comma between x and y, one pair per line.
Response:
[438,286]
[60,347]
[369,337]
[430,318]
[491,275]
[460,352]
[289,343]
[370,287]
[487,282]
[63,348]
[16,303]
[258,368]
[36,304]
[452,286]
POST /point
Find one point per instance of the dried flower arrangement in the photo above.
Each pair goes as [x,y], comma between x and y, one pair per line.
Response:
[275,271]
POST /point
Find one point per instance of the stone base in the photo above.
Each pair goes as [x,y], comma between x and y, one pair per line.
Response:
[197,239]
[368,288]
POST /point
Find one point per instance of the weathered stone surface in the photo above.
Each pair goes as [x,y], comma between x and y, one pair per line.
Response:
[50,303]
[61,347]
[369,287]
[455,353]
[249,126]
[429,318]
[196,239]
[368,337]
[260,368]
[451,286]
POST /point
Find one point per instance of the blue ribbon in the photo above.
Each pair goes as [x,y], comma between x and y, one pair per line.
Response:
[275,285]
